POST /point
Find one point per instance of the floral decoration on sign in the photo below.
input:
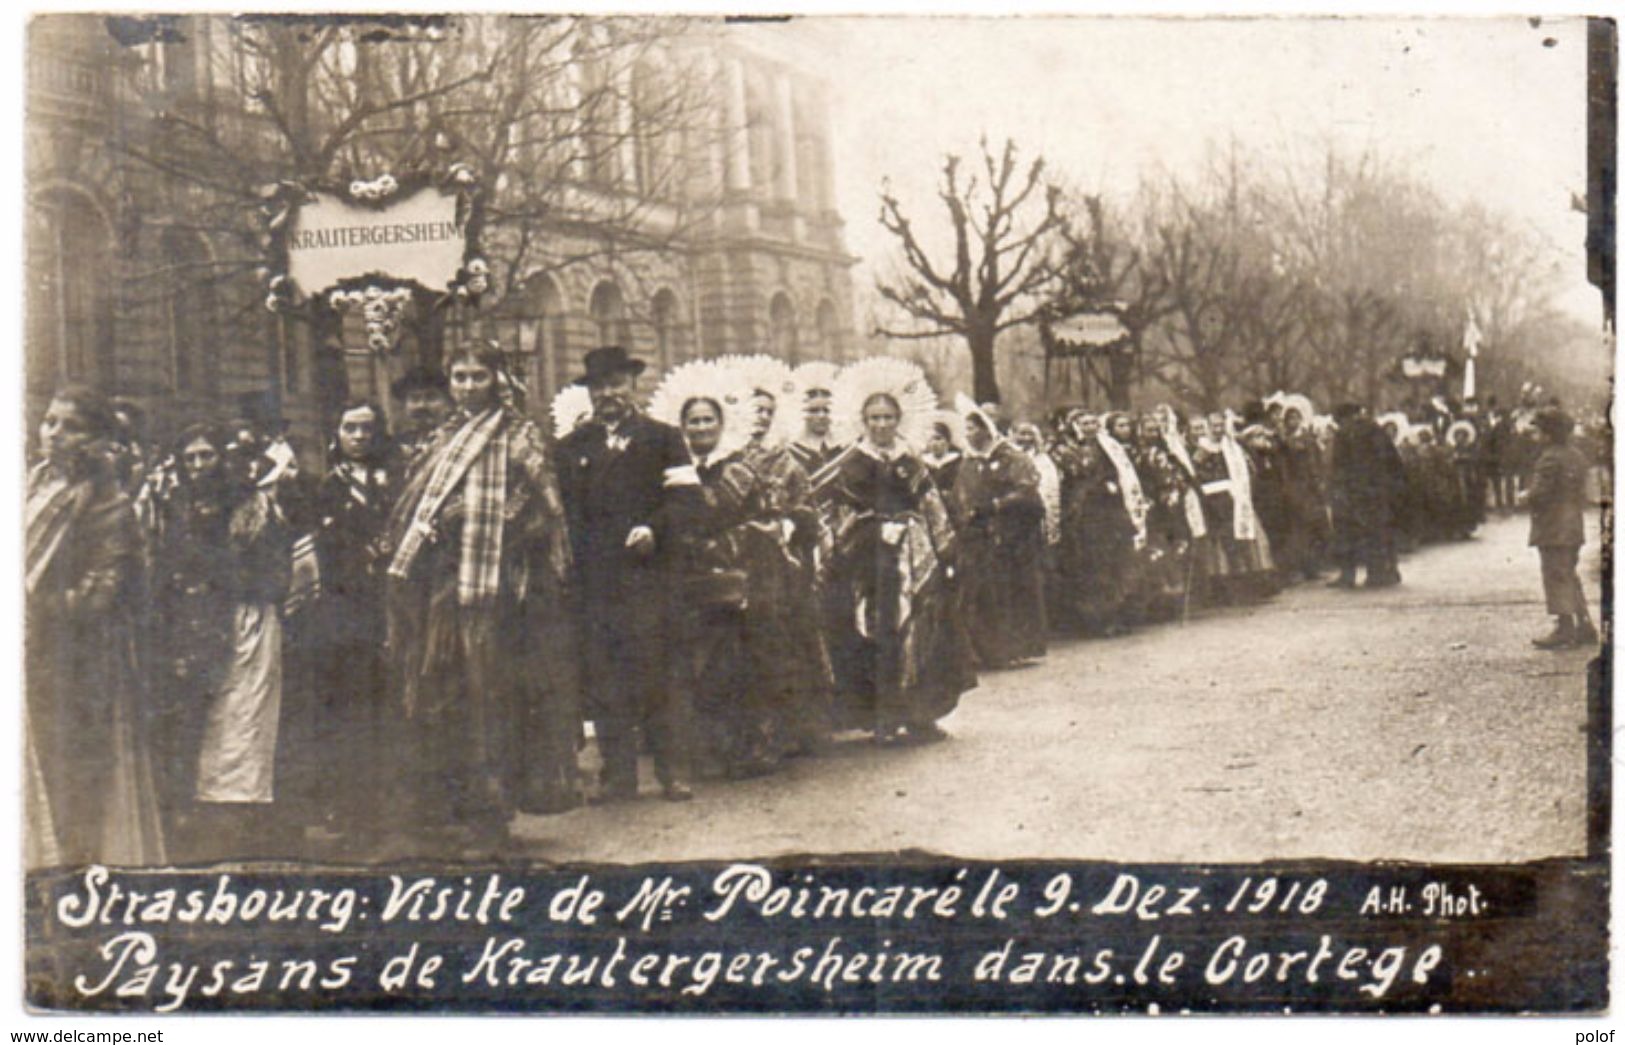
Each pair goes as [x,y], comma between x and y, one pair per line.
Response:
[381,299]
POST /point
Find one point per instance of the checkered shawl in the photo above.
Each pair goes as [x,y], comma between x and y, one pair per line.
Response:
[475,458]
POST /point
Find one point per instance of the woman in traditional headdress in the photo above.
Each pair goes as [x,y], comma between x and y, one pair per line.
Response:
[1098,532]
[900,656]
[1243,571]
[1303,462]
[90,796]
[481,662]
[1166,573]
[1268,486]
[223,567]
[784,634]
[998,516]
[732,528]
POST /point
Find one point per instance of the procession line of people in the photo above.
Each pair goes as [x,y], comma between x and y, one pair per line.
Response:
[231,657]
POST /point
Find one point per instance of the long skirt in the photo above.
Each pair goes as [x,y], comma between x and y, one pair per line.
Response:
[1001,587]
[237,760]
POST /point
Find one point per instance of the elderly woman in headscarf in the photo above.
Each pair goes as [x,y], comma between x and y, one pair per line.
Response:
[900,651]
[89,791]
[477,564]
[999,517]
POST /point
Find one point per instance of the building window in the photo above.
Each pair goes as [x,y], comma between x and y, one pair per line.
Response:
[70,277]
[190,313]
[762,135]
[600,144]
[829,333]
[663,311]
[540,338]
[782,327]
[608,309]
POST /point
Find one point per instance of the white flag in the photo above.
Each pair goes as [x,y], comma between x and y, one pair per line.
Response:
[1472,337]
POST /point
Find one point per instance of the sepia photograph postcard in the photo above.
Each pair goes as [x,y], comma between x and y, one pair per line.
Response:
[563,514]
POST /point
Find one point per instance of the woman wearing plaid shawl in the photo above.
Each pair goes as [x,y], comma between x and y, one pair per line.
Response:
[476,595]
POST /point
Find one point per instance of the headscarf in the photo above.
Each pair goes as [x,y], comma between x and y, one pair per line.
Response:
[1241,486]
[1174,441]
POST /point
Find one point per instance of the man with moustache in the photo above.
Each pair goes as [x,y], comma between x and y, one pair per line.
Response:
[425,402]
[627,483]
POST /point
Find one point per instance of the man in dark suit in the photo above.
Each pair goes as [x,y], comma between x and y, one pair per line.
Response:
[1366,480]
[627,483]
[1556,499]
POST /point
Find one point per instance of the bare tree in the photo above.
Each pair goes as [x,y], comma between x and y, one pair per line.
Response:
[582,129]
[1001,271]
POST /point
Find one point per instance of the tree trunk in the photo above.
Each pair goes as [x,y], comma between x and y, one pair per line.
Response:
[984,376]
[1121,363]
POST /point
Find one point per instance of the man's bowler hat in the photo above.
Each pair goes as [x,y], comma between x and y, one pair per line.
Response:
[604,363]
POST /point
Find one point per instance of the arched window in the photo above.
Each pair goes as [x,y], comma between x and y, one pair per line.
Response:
[190,313]
[70,289]
[608,308]
[829,332]
[782,328]
[541,337]
[664,317]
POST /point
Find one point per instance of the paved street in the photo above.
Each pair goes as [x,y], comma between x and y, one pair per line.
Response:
[1414,723]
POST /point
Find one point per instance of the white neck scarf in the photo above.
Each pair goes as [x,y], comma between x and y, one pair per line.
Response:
[1241,489]
[1128,482]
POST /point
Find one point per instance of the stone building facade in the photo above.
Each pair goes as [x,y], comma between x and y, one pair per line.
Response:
[754,261]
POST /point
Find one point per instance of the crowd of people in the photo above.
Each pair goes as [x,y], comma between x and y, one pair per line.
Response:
[230,656]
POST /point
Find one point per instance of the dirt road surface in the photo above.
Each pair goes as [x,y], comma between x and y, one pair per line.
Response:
[1415,723]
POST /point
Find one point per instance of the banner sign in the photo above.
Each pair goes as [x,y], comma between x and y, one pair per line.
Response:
[843,935]
[1092,329]
[416,239]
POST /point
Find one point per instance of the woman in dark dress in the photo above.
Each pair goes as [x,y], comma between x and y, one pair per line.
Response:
[1097,531]
[343,634]
[999,517]
[903,660]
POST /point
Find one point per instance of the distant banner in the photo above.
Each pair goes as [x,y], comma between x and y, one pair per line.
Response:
[416,239]
[828,936]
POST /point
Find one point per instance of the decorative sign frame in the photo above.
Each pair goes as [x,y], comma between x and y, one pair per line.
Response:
[444,216]
[1070,337]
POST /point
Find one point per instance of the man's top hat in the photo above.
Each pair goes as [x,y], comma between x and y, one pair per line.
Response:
[419,378]
[603,363]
